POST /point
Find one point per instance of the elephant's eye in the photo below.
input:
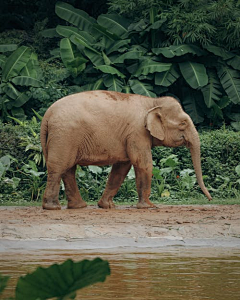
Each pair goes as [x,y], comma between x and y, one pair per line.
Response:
[183,125]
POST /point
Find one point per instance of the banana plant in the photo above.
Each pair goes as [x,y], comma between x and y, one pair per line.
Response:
[118,55]
[19,72]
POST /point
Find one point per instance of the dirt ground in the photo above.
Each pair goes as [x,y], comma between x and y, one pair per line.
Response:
[125,226]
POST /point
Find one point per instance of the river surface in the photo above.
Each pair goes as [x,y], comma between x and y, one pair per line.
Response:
[169,274]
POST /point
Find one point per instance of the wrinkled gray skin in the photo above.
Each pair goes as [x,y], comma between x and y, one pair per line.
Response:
[110,128]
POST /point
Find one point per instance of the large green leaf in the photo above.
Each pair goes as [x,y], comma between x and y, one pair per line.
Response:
[61,280]
[71,58]
[49,33]
[219,52]
[119,46]
[114,23]
[230,80]
[107,38]
[26,81]
[15,62]
[211,92]
[194,73]
[95,57]
[142,88]
[32,69]
[191,102]
[113,83]
[110,70]
[149,66]
[167,78]
[179,50]
[8,47]
[74,16]
[3,279]
[76,36]
[234,62]
[11,91]
[2,60]
[134,54]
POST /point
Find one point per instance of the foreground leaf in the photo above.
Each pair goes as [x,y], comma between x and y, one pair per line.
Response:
[61,280]
[3,282]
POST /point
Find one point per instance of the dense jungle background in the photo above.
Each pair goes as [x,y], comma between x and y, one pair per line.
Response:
[187,49]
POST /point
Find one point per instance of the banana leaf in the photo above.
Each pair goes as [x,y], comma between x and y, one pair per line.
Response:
[118,45]
[192,102]
[224,54]
[95,57]
[142,88]
[101,33]
[194,73]
[71,58]
[135,54]
[114,23]
[8,47]
[49,33]
[74,16]
[167,78]
[212,91]
[230,80]
[113,83]
[2,60]
[110,70]
[15,62]
[179,50]
[149,66]
[11,91]
[26,81]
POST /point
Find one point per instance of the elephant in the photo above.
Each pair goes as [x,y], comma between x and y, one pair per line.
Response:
[112,128]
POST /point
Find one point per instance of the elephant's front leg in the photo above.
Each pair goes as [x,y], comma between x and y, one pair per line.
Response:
[116,177]
[71,189]
[143,183]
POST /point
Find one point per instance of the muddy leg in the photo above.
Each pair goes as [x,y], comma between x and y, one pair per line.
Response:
[50,197]
[143,183]
[118,173]
[73,196]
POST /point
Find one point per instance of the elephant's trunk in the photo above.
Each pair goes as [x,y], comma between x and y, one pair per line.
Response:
[194,146]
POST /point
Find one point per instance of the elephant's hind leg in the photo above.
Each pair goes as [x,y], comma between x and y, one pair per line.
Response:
[71,189]
[118,173]
[50,197]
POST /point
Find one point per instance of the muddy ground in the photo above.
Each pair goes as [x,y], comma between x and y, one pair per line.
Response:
[121,228]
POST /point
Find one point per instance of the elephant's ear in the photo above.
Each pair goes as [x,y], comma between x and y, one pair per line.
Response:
[154,124]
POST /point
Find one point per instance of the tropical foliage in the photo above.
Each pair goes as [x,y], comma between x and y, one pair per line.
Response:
[19,71]
[118,55]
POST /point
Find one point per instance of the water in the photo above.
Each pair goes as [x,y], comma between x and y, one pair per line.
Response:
[176,274]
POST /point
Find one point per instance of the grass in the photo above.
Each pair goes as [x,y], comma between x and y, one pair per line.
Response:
[162,201]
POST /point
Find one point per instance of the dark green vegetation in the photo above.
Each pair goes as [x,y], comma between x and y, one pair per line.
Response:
[63,280]
[188,49]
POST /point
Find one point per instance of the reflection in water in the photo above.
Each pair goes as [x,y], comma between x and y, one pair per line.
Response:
[176,274]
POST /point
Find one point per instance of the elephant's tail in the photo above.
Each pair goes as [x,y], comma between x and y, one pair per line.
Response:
[44,136]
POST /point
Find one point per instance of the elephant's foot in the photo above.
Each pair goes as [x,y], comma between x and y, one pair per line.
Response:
[51,205]
[76,204]
[145,204]
[106,204]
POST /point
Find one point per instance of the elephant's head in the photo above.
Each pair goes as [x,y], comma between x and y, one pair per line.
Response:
[172,127]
